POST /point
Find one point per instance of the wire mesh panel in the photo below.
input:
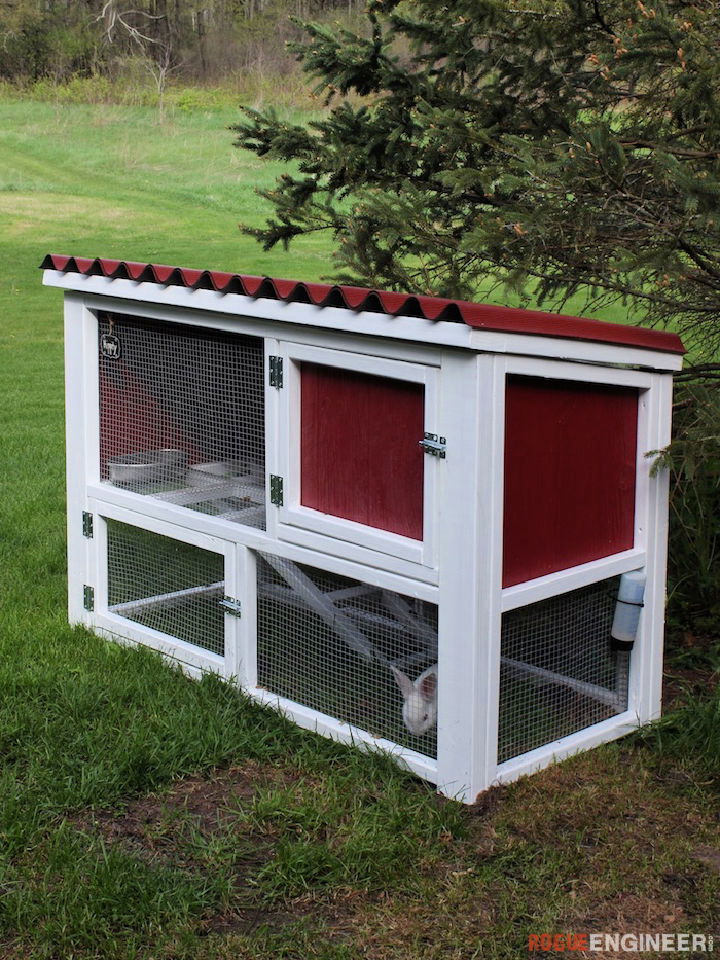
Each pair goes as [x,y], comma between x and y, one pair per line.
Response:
[331,643]
[182,415]
[165,584]
[558,672]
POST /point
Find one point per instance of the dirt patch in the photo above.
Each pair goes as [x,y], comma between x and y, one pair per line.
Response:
[204,817]
[186,826]
[158,825]
[682,684]
[631,914]
[336,914]
[709,856]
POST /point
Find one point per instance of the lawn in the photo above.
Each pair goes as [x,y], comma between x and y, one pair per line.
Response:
[143,815]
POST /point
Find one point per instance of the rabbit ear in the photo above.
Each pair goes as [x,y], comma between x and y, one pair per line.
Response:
[403,681]
[428,683]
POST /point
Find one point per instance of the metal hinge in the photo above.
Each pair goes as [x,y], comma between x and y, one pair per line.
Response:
[276,372]
[276,490]
[231,605]
[87,524]
[434,445]
[89,598]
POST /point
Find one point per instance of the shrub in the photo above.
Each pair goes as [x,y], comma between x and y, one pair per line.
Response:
[693,458]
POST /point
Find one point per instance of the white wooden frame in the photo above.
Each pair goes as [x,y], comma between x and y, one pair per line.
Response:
[80,342]
[469,587]
[258,540]
[107,620]
[648,553]
[328,534]
[461,572]
[338,730]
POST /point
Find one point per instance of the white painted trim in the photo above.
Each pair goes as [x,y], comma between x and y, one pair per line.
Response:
[470,522]
[78,548]
[246,660]
[366,323]
[375,364]
[339,532]
[91,375]
[144,521]
[262,327]
[194,672]
[104,497]
[588,352]
[232,623]
[563,581]
[339,730]
[492,480]
[558,369]
[329,547]
[645,682]
[610,729]
[148,506]
[273,459]
[100,556]
[170,646]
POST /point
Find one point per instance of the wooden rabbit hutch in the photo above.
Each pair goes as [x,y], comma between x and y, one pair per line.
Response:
[421,525]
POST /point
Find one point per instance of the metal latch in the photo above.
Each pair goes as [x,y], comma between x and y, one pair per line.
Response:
[276,490]
[87,526]
[434,445]
[89,598]
[231,605]
[276,371]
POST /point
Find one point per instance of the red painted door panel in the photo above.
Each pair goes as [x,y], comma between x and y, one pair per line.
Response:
[359,453]
[570,461]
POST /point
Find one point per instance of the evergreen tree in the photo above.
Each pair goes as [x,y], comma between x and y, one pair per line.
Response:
[550,143]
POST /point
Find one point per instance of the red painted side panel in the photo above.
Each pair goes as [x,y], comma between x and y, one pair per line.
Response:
[359,453]
[570,456]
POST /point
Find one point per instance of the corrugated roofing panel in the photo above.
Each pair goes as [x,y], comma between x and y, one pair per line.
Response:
[480,316]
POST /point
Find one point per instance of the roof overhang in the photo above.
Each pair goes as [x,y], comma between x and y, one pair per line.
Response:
[427,320]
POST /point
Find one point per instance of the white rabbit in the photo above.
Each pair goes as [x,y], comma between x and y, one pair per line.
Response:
[420,695]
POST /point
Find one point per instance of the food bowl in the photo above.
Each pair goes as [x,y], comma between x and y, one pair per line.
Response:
[202,473]
[148,466]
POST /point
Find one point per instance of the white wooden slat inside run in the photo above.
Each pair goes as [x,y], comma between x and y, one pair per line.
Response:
[130,606]
[460,568]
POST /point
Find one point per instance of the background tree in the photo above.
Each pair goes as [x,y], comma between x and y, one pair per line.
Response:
[553,145]
[569,144]
[210,41]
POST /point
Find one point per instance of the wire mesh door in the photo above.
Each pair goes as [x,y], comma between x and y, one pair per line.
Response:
[558,672]
[182,415]
[170,594]
[342,647]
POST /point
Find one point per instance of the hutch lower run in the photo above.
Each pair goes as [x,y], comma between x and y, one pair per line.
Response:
[417,524]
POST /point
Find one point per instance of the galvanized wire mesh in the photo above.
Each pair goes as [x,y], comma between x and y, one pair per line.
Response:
[182,415]
[558,673]
[328,641]
[171,586]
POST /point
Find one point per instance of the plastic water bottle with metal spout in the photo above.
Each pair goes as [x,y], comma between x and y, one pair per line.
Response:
[627,610]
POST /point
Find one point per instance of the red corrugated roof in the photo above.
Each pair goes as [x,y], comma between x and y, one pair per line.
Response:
[478,315]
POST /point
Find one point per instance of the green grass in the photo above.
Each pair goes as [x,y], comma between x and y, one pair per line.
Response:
[143,815]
